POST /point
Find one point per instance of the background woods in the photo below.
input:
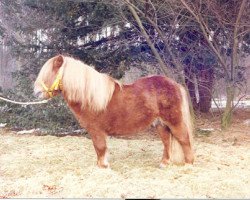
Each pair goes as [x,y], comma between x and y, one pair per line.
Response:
[201,44]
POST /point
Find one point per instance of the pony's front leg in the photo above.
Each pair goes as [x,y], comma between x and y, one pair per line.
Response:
[99,141]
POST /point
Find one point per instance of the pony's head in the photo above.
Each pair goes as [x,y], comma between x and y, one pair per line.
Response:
[48,82]
[79,83]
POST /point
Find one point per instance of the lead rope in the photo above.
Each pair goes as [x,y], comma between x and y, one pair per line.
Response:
[24,103]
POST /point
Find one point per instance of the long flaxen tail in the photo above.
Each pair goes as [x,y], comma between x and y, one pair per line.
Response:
[176,152]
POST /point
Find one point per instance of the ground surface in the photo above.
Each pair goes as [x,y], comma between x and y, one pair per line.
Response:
[49,166]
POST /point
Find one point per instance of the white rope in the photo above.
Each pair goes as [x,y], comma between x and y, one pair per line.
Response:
[24,103]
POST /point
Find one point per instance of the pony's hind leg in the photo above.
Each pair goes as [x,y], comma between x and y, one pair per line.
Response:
[180,133]
[165,137]
[99,142]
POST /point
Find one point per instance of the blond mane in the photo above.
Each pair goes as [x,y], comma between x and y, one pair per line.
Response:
[45,73]
[82,83]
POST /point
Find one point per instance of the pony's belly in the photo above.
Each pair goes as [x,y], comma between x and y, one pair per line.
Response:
[124,132]
[128,128]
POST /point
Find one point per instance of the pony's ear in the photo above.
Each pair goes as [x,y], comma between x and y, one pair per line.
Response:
[58,62]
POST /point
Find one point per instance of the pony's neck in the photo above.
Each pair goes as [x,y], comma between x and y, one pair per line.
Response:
[83,84]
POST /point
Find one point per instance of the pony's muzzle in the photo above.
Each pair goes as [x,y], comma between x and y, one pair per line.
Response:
[38,93]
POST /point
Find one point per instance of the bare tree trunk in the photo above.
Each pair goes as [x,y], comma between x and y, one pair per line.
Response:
[205,86]
[205,79]
[190,83]
[230,90]
[227,114]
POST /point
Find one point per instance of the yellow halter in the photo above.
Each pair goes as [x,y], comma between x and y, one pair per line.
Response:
[56,85]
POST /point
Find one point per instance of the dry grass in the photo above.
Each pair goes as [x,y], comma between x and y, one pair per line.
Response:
[49,166]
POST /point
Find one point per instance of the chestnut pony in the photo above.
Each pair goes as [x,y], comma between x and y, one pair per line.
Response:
[104,106]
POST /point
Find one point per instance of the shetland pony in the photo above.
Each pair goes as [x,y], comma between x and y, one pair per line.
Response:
[104,106]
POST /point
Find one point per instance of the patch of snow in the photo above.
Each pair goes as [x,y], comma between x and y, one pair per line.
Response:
[207,129]
[2,125]
[27,131]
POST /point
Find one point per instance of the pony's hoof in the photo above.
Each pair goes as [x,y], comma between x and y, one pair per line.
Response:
[189,160]
[103,166]
[164,164]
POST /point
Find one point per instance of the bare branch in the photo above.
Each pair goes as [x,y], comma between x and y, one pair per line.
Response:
[146,36]
[205,31]
[235,39]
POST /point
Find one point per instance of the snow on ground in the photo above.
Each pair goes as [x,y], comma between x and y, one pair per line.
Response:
[221,103]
